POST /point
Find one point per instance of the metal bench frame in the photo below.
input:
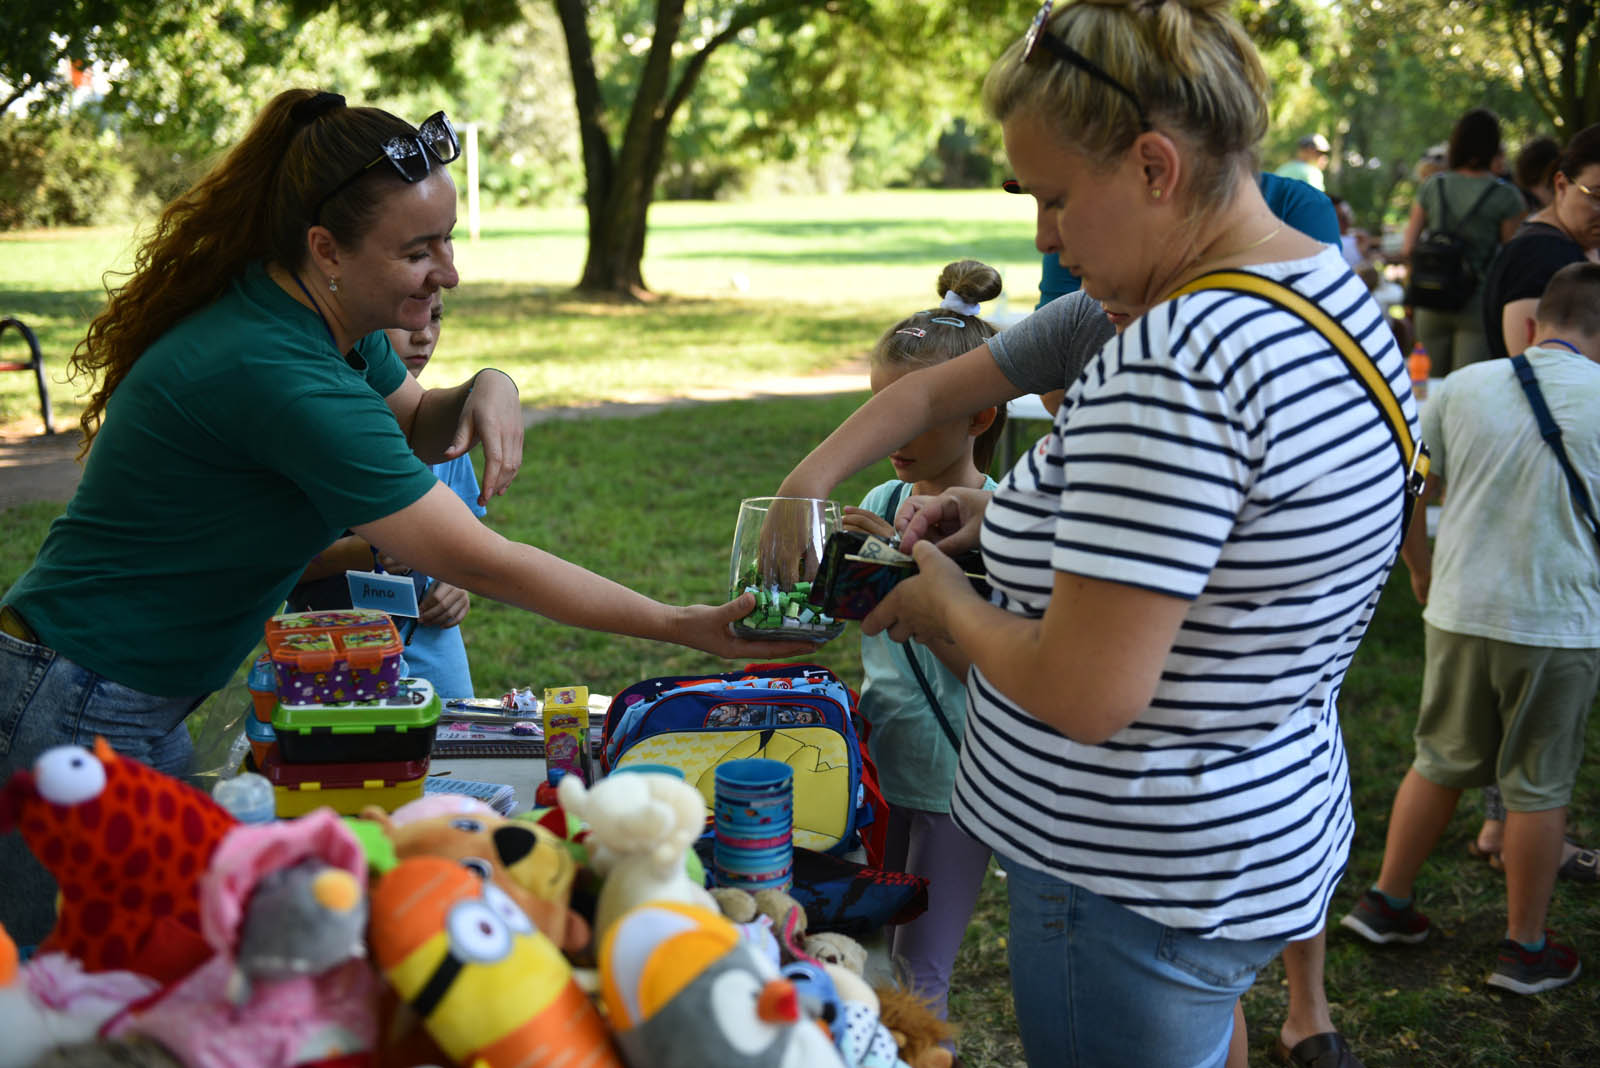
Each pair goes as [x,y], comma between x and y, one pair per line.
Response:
[34,364]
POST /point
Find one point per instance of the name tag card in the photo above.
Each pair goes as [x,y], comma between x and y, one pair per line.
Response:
[394,594]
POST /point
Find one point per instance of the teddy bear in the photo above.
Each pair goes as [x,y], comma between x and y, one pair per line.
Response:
[641,828]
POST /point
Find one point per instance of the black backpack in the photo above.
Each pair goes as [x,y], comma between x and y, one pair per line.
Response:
[1442,273]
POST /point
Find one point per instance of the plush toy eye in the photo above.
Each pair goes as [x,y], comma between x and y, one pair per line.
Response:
[69,774]
[508,910]
[477,933]
[734,998]
[477,866]
[470,826]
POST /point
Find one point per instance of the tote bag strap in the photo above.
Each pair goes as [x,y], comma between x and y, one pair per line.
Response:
[1413,453]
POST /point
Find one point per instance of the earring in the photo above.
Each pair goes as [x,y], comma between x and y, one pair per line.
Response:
[1155,194]
[333,285]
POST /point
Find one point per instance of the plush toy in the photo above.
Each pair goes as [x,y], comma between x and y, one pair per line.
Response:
[51,1002]
[774,912]
[642,826]
[488,986]
[126,845]
[525,860]
[284,906]
[916,1028]
[683,990]
[830,947]
[862,1039]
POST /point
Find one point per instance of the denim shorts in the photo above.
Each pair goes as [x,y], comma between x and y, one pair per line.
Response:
[1096,983]
[47,700]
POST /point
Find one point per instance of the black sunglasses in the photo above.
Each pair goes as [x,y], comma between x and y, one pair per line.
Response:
[1037,36]
[408,154]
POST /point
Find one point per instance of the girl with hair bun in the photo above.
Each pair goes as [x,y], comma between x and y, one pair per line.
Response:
[1182,569]
[249,409]
[912,697]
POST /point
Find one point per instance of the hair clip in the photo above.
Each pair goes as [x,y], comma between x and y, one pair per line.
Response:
[914,331]
[945,320]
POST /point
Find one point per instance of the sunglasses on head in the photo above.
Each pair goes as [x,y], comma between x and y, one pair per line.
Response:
[1038,37]
[408,155]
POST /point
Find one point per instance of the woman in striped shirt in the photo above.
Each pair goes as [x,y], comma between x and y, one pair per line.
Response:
[1183,567]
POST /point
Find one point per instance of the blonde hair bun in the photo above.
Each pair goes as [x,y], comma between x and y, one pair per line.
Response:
[972,281]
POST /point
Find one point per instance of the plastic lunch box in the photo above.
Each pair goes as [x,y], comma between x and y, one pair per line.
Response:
[397,727]
[352,654]
[345,788]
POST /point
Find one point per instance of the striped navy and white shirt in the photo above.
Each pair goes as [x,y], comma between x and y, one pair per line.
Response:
[1219,451]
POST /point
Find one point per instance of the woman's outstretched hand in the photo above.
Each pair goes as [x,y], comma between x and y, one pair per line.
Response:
[709,628]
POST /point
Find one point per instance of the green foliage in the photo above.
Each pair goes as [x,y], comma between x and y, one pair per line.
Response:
[61,171]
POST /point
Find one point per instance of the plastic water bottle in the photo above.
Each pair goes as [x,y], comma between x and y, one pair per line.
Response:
[248,796]
[1418,364]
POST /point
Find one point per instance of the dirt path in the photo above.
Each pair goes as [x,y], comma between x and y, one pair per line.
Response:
[44,467]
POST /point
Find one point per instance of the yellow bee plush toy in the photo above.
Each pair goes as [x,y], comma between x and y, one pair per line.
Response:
[491,990]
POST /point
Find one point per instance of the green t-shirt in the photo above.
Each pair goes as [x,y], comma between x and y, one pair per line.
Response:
[240,444]
[916,762]
[1300,170]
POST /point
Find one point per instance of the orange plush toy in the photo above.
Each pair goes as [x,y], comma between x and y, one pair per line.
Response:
[489,987]
[127,846]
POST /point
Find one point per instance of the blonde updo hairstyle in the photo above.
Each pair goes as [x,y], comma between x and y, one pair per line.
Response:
[934,335]
[1190,64]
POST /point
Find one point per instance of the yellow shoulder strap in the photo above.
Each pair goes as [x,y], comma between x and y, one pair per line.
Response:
[1413,454]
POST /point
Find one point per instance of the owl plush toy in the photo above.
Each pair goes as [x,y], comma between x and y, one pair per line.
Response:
[684,990]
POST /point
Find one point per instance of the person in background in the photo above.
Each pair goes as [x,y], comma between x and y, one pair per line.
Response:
[1534,171]
[1353,243]
[1310,160]
[1136,130]
[1302,206]
[913,703]
[1567,230]
[248,410]
[1512,626]
[434,649]
[1483,212]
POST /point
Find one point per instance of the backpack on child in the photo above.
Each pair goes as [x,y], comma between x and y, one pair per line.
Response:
[800,714]
[1443,276]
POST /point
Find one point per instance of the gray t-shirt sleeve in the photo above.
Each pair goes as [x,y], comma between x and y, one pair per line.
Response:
[1048,349]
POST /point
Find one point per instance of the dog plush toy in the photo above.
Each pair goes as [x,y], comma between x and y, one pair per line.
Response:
[529,863]
[642,826]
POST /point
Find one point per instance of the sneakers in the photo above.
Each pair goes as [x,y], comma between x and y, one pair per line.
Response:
[1522,972]
[1380,923]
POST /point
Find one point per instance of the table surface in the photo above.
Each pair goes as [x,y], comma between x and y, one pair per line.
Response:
[524,774]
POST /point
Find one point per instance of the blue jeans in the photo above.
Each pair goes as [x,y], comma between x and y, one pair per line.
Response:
[1098,984]
[47,700]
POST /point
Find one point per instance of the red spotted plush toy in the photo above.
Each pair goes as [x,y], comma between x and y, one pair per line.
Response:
[127,846]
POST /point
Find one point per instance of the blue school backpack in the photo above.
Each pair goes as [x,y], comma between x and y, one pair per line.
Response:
[799,714]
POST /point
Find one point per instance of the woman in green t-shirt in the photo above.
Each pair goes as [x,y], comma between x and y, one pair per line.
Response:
[249,409]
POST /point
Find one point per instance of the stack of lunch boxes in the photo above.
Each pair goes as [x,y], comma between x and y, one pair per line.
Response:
[333,722]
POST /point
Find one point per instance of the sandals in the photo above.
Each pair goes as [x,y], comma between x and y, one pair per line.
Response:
[1326,1050]
[1583,866]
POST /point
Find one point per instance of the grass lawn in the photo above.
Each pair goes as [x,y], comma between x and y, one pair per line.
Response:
[652,502]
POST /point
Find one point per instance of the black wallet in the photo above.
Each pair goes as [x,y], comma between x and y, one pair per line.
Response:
[848,586]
